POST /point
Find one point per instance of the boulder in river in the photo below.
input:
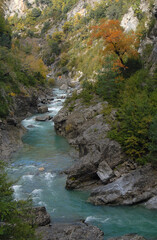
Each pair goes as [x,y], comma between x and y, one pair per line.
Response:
[70,231]
[41,218]
[42,118]
[63,87]
[42,109]
[30,126]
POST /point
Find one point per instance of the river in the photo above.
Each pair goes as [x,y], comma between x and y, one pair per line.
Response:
[37,169]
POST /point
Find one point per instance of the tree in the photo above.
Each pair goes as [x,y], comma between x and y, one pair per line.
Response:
[121,44]
[12,213]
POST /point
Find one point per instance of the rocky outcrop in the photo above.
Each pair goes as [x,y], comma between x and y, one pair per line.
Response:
[72,231]
[53,231]
[129,21]
[102,166]
[11,129]
[86,128]
[128,237]
[135,187]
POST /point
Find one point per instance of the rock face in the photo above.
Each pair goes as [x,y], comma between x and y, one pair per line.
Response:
[102,167]
[129,21]
[86,128]
[72,231]
[135,187]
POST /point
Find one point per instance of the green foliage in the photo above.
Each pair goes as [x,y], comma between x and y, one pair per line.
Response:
[14,215]
[108,83]
[5,32]
[35,13]
[54,46]
[67,27]
[137,107]
[45,27]
[3,107]
[87,92]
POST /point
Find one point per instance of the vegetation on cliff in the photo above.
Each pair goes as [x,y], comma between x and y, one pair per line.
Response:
[19,69]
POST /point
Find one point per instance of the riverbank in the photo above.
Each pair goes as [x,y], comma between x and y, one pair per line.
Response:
[11,130]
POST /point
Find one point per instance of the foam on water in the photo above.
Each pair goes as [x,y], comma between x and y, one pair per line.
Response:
[28,177]
[49,176]
[17,191]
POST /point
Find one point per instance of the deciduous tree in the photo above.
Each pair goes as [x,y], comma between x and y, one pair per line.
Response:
[117,42]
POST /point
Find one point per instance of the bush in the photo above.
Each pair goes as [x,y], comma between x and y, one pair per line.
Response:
[55,48]
[137,107]
[87,92]
[14,214]
[108,84]
[45,27]
[4,111]
[35,12]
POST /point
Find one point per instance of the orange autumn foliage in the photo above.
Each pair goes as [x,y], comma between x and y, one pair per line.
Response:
[116,42]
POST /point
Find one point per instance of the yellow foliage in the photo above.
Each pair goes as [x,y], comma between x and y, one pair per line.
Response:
[12,94]
[36,65]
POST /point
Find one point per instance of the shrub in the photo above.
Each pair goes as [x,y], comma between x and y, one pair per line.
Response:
[51,81]
[14,214]
[35,12]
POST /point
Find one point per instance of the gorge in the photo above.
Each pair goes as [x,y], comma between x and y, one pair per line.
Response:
[78,115]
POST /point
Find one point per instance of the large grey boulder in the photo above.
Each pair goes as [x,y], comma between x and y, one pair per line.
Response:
[42,109]
[42,118]
[70,231]
[40,216]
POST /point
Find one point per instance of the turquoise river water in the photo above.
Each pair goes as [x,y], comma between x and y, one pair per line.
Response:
[44,149]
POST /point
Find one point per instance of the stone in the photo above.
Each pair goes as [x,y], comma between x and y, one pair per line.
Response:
[128,237]
[72,231]
[151,203]
[30,126]
[42,109]
[104,172]
[42,118]
[11,121]
[63,87]
[41,217]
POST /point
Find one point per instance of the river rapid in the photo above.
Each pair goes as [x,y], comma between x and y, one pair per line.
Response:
[37,169]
